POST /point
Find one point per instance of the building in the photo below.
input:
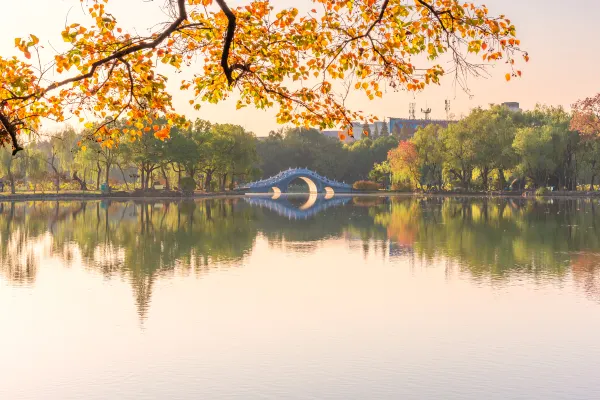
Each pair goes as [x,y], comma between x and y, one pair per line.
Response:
[512,106]
[375,130]
[403,128]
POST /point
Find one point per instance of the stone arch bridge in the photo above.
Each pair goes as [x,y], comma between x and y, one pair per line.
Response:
[280,182]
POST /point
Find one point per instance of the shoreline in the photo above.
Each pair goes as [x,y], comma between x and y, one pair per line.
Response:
[116,196]
[176,196]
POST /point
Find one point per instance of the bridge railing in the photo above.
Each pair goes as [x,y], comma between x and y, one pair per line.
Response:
[273,180]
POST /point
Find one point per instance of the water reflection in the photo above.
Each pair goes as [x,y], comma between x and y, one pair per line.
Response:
[484,239]
[297,206]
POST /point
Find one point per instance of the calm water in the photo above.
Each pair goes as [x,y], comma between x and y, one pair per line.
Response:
[296,298]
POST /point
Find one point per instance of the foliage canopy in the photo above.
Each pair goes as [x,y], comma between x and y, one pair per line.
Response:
[268,56]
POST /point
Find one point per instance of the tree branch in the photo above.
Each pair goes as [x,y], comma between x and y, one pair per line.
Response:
[10,129]
[228,40]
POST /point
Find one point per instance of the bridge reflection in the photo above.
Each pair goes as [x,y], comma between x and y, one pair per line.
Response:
[284,204]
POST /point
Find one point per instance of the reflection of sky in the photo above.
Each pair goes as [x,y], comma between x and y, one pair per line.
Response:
[325,324]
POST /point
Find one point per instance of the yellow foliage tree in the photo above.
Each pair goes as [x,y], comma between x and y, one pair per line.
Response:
[270,57]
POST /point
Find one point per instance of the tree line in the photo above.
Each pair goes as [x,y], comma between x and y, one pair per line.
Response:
[496,149]
[330,157]
[490,149]
[214,156]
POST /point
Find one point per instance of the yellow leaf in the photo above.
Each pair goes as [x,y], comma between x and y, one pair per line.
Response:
[507,76]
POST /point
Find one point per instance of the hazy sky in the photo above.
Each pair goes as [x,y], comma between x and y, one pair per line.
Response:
[565,57]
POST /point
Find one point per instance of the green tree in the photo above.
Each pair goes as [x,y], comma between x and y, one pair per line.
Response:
[589,157]
[430,148]
[366,131]
[534,146]
[376,135]
[385,130]
[12,168]
[461,152]
[381,173]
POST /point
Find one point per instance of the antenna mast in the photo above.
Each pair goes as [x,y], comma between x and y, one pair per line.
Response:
[411,110]
[426,112]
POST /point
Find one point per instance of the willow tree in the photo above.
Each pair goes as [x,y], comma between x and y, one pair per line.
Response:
[269,57]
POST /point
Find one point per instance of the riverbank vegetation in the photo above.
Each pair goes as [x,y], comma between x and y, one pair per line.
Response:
[204,156]
[489,150]
[499,149]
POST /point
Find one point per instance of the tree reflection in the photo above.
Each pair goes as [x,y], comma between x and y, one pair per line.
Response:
[136,241]
[489,237]
[144,241]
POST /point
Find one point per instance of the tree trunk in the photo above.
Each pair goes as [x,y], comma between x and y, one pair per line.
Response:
[148,183]
[107,173]
[123,175]
[166,178]
[484,176]
[56,179]
[12,179]
[82,184]
[501,179]
[592,182]
[222,184]
[142,177]
[98,175]
[207,181]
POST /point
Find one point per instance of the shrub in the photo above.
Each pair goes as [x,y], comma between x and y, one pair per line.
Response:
[188,184]
[541,191]
[366,185]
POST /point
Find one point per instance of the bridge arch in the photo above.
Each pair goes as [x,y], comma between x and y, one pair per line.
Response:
[276,193]
[316,183]
[329,192]
[312,186]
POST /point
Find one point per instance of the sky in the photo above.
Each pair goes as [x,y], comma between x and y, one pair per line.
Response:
[565,57]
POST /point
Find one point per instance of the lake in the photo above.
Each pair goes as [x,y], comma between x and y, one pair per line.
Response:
[301,298]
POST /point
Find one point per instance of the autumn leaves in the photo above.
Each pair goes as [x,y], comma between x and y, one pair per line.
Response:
[298,63]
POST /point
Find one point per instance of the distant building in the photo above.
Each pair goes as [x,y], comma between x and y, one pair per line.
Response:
[405,128]
[335,135]
[374,130]
[512,106]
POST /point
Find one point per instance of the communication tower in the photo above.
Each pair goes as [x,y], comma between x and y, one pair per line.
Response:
[411,110]
[426,113]
[447,109]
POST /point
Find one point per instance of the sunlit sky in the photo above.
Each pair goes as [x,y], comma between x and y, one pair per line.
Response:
[565,56]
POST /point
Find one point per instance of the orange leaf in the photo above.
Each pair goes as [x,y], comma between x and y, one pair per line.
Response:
[163,134]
